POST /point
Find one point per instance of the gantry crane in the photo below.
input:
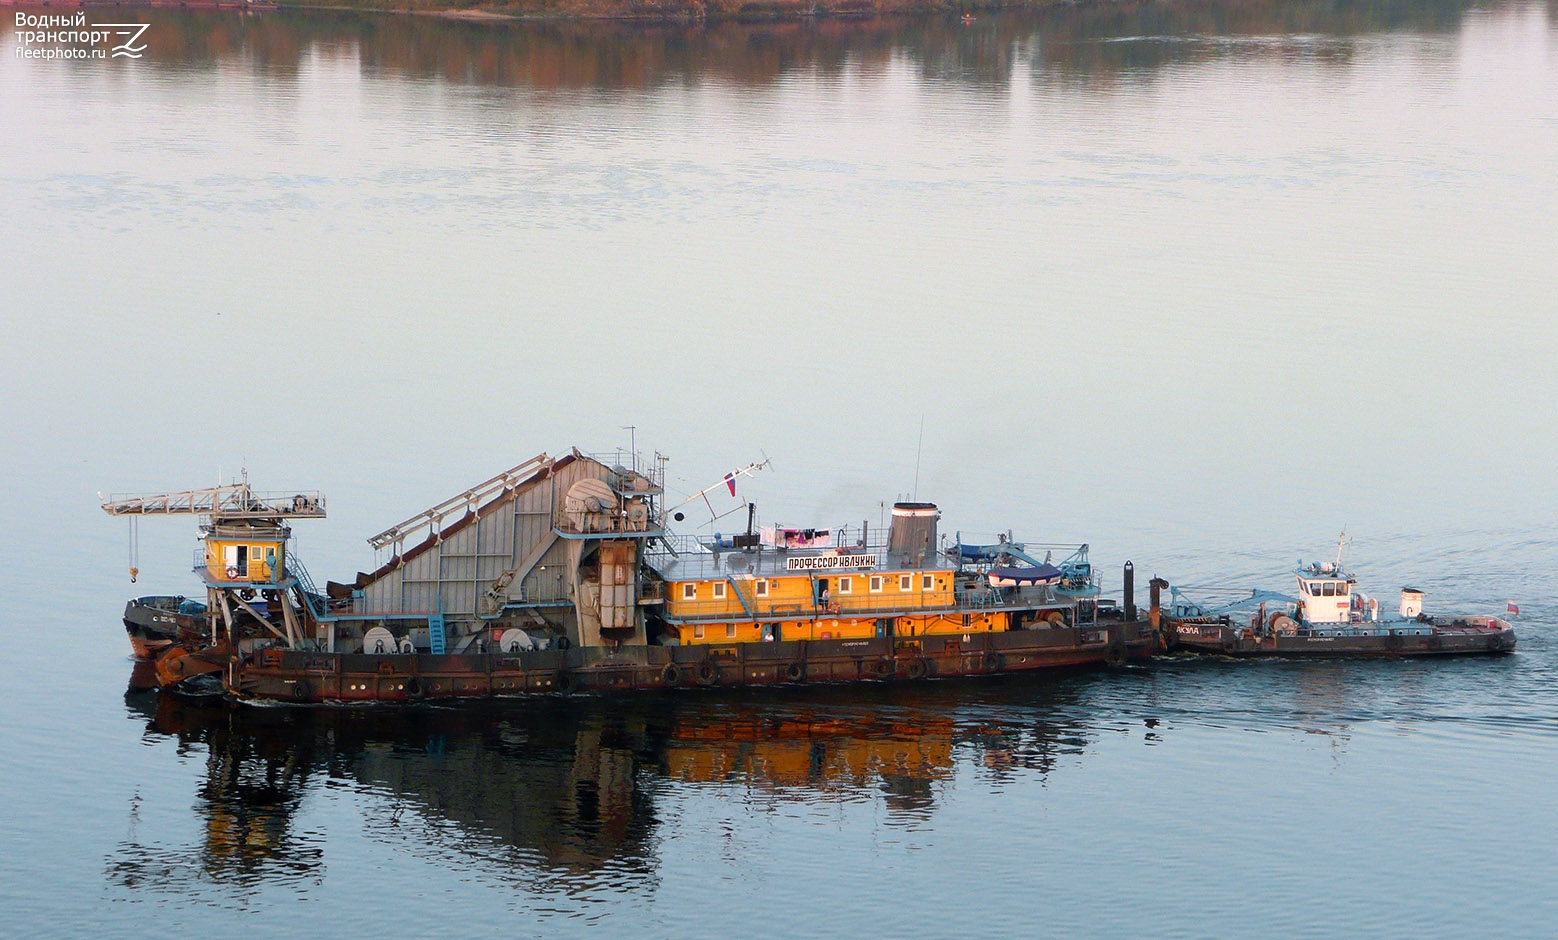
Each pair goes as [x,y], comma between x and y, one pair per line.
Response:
[252,586]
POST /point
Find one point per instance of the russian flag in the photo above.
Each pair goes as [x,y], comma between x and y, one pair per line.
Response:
[730,481]
[1512,608]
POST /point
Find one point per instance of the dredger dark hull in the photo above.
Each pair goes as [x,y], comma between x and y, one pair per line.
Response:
[305,677]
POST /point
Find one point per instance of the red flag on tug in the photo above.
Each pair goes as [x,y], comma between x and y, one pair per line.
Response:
[730,481]
[1512,608]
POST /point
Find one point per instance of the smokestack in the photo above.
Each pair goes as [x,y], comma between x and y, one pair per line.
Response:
[911,536]
[1130,592]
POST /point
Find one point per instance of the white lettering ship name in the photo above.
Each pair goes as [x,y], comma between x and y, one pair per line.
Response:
[830,562]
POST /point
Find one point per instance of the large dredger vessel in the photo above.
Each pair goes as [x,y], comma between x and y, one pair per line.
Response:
[560,575]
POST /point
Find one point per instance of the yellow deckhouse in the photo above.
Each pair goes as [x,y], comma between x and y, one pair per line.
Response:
[817,585]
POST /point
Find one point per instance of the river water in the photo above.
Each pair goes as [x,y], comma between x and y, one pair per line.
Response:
[1201,284]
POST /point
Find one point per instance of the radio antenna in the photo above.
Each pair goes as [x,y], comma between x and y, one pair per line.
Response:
[918,450]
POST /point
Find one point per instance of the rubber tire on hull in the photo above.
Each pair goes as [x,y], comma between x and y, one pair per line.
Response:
[708,673]
[671,675]
[882,668]
[916,669]
[795,672]
[1115,654]
[302,691]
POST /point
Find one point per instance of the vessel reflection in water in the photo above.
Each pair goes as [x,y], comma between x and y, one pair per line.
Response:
[561,791]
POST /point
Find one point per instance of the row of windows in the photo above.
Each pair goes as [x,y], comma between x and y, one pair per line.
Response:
[845,585]
[698,632]
[1325,588]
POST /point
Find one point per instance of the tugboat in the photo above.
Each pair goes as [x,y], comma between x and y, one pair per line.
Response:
[560,575]
[1328,617]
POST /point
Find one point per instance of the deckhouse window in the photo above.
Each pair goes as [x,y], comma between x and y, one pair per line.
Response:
[689,591]
[1341,590]
[927,582]
[719,589]
[762,588]
[845,585]
[1330,589]
[906,582]
[876,584]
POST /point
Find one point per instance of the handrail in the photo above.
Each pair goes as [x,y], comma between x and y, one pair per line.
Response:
[468,500]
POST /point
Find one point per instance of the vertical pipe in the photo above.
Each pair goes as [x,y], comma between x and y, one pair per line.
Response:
[1130,592]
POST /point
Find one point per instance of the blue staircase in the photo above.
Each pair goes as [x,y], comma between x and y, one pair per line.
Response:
[435,633]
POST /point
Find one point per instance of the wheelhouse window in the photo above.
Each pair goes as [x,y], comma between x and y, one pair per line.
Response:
[906,582]
[927,582]
[1341,589]
[689,591]
[1330,589]
[762,588]
[876,584]
[846,585]
[719,589]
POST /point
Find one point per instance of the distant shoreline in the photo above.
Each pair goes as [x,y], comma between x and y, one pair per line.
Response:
[629,10]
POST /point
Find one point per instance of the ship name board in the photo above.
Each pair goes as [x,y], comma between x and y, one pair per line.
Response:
[830,562]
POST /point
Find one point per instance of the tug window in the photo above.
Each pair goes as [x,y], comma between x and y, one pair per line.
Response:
[876,583]
[1330,589]
[697,632]
[845,585]
[1341,590]
[689,591]
[905,582]
[762,589]
[730,630]
[719,589]
[927,582]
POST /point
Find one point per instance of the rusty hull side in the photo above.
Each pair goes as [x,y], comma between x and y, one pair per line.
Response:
[324,677]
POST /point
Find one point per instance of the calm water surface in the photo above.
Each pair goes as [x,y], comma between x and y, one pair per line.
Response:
[1200,284]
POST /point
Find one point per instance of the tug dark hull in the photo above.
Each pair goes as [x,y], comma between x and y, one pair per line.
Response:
[1446,640]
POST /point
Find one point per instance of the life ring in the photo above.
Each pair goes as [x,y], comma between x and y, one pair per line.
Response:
[302,691]
[1115,654]
[708,673]
[671,674]
[795,672]
[414,687]
[916,669]
[882,668]
[565,683]
[994,661]
[232,572]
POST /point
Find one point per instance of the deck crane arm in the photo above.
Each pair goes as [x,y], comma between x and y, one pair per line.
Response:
[230,502]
